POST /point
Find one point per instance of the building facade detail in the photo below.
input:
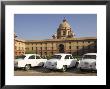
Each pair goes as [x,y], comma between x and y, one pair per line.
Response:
[64,41]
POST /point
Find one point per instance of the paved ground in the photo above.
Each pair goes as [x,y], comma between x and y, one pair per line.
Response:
[39,71]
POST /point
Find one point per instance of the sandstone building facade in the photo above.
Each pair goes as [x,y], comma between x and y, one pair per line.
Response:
[64,41]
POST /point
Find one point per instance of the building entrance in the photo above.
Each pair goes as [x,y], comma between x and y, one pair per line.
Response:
[61,48]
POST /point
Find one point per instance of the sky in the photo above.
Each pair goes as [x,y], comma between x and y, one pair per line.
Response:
[43,26]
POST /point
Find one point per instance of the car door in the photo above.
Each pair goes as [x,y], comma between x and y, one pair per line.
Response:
[39,61]
[73,61]
[67,60]
[32,60]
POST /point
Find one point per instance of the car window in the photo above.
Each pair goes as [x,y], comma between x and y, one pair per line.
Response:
[89,57]
[67,57]
[32,57]
[71,57]
[37,57]
[56,57]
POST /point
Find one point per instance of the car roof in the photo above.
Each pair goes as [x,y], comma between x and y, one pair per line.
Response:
[90,54]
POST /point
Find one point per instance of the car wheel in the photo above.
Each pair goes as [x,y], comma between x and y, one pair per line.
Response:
[64,68]
[27,67]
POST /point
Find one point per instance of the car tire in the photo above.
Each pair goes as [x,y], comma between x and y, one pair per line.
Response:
[64,68]
[27,67]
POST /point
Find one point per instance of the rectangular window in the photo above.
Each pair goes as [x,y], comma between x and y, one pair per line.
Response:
[69,47]
[64,33]
[37,57]
[77,47]
[67,57]
[32,57]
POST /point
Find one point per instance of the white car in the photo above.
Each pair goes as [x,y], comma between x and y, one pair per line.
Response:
[88,61]
[28,60]
[61,61]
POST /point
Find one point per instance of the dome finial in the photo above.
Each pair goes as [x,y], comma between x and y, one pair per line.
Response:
[64,19]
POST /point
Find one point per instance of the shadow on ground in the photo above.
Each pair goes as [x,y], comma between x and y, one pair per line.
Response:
[71,70]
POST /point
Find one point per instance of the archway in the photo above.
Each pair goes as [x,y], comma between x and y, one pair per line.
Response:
[61,48]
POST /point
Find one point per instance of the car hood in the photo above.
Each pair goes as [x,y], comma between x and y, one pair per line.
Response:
[16,60]
[88,60]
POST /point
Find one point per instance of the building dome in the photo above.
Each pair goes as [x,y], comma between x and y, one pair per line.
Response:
[64,24]
[64,30]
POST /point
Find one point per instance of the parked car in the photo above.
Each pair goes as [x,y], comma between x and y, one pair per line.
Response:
[61,61]
[88,61]
[28,60]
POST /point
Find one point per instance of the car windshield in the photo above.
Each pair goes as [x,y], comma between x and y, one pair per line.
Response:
[56,57]
[89,57]
[20,57]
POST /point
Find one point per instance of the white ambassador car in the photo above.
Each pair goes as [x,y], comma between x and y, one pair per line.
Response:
[28,60]
[88,61]
[61,61]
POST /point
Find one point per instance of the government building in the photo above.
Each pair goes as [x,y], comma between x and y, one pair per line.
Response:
[64,41]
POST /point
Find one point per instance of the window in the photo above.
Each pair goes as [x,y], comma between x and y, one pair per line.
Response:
[69,47]
[45,52]
[64,33]
[32,57]
[32,48]
[67,57]
[71,57]
[56,57]
[37,57]
[89,57]
[88,41]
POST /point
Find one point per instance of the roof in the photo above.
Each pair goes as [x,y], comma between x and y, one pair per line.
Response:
[69,39]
